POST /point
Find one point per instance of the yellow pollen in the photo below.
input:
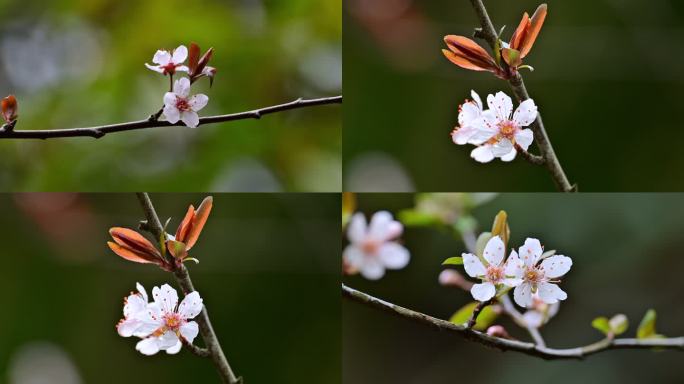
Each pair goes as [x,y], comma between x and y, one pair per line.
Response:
[507,129]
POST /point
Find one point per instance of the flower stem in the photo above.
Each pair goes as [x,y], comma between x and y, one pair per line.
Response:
[183,278]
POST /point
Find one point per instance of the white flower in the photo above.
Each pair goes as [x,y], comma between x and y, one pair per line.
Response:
[167,63]
[371,248]
[161,323]
[538,275]
[540,313]
[492,273]
[470,123]
[178,106]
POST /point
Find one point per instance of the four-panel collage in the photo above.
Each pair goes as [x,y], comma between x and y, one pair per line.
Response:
[185,198]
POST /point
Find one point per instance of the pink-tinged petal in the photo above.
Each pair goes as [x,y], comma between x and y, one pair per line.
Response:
[166,297]
[175,349]
[190,118]
[473,266]
[162,58]
[513,266]
[198,102]
[482,154]
[494,251]
[483,292]
[180,54]
[394,230]
[134,304]
[181,87]
[525,114]
[556,266]
[127,327]
[372,268]
[510,156]
[155,68]
[551,293]
[393,255]
[353,256]
[461,136]
[524,138]
[147,346]
[191,306]
[483,132]
[379,227]
[356,232]
[476,99]
[170,99]
[189,331]
[522,294]
[171,113]
[530,252]
[501,104]
[468,112]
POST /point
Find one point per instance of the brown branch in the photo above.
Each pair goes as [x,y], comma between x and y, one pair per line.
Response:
[488,33]
[531,349]
[476,312]
[183,278]
[97,132]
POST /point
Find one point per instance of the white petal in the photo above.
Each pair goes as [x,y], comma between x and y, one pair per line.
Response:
[356,232]
[523,295]
[513,266]
[161,57]
[502,148]
[170,99]
[512,282]
[551,293]
[171,113]
[533,319]
[469,112]
[556,266]
[483,292]
[165,297]
[372,269]
[180,54]
[473,266]
[175,349]
[393,255]
[482,154]
[530,252]
[501,104]
[189,331]
[167,340]
[155,68]
[147,346]
[134,304]
[380,226]
[510,156]
[127,327]
[525,114]
[494,251]
[181,87]
[477,99]
[142,291]
[462,135]
[198,102]
[354,256]
[190,118]
[191,305]
[524,138]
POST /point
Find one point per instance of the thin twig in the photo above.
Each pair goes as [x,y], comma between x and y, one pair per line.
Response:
[531,349]
[99,131]
[476,312]
[488,33]
[183,278]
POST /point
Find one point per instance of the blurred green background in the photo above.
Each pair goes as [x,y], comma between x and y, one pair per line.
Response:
[607,80]
[627,258]
[80,63]
[267,275]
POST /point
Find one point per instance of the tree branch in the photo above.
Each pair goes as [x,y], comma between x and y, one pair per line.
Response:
[7,131]
[183,278]
[488,33]
[531,349]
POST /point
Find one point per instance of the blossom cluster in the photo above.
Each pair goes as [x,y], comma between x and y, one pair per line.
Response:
[533,273]
[498,132]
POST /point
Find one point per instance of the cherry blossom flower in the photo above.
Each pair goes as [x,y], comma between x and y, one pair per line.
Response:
[162,323]
[470,123]
[168,63]
[502,130]
[179,105]
[540,313]
[539,275]
[372,248]
[492,272]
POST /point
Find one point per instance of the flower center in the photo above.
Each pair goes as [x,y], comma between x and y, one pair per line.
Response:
[169,69]
[172,321]
[507,129]
[370,247]
[533,275]
[495,274]
[182,104]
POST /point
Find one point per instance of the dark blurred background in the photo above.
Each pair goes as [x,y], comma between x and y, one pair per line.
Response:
[607,79]
[267,274]
[78,63]
[627,258]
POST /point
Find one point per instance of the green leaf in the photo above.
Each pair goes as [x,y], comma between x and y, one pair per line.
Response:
[619,324]
[602,324]
[412,217]
[482,242]
[456,260]
[484,320]
[465,224]
[647,326]
[547,254]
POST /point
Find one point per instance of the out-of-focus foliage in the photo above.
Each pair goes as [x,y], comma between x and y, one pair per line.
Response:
[599,67]
[627,257]
[80,63]
[274,304]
